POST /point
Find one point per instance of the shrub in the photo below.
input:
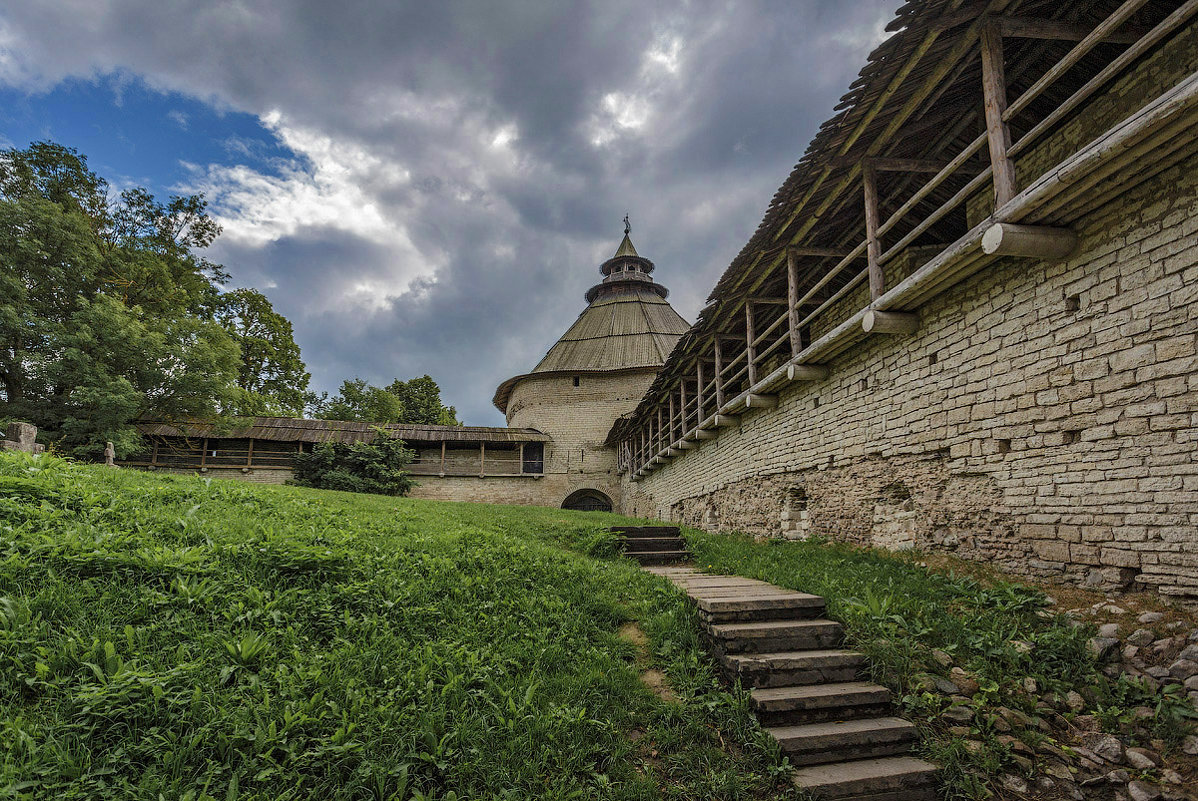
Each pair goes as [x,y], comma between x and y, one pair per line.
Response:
[375,467]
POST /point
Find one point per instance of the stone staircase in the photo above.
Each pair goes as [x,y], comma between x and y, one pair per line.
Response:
[806,690]
[652,545]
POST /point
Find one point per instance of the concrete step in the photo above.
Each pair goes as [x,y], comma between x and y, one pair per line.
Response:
[654,544]
[659,557]
[790,668]
[885,779]
[818,703]
[772,636]
[746,606]
[842,740]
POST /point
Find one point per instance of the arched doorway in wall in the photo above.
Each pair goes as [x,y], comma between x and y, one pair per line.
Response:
[587,500]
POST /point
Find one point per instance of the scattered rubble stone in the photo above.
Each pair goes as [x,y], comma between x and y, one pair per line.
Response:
[1138,758]
[1149,618]
[1109,748]
[1075,701]
[1142,791]
[1013,783]
[1108,630]
[1103,647]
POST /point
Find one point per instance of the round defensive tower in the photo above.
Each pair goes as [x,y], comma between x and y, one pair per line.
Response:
[597,371]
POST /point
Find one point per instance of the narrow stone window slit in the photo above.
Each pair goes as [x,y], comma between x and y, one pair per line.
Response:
[933,357]
[1004,446]
[1073,303]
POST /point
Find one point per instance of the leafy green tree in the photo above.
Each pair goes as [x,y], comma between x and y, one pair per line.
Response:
[414,402]
[272,378]
[105,306]
[421,399]
[375,467]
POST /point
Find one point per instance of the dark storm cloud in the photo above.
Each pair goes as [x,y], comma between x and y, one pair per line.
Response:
[462,167]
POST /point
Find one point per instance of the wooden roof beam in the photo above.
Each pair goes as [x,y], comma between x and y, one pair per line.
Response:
[1033,28]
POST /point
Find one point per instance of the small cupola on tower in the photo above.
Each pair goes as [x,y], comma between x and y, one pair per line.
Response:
[628,326]
[626,271]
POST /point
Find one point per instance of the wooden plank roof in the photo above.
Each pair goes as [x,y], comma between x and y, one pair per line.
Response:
[292,429]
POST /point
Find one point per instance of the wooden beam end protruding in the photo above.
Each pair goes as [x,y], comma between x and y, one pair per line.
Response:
[806,372]
[703,433]
[884,322]
[754,401]
[1033,241]
[687,444]
[725,420]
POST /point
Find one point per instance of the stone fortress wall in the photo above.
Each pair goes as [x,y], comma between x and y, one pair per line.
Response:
[578,419]
[1043,418]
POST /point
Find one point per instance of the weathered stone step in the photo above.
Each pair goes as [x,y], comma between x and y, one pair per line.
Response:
[816,703]
[789,668]
[753,606]
[658,557]
[771,636]
[654,544]
[633,532]
[884,779]
[838,741]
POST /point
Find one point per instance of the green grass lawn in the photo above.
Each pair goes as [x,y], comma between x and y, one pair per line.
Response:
[173,637]
[182,638]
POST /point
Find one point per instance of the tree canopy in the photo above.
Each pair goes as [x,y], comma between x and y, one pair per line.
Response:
[414,402]
[109,311]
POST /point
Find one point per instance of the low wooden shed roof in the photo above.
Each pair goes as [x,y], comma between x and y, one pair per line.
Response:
[292,429]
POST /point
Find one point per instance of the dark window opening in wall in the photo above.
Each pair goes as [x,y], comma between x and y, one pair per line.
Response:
[933,357]
[534,458]
[1073,303]
[815,403]
[587,500]
[1004,446]
[863,384]
[577,381]
[1070,437]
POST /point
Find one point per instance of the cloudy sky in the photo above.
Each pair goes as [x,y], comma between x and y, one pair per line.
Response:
[429,187]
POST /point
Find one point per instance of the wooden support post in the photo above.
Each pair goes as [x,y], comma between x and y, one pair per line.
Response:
[792,302]
[719,375]
[994,92]
[806,372]
[1035,241]
[750,342]
[482,459]
[682,397]
[883,322]
[670,435]
[623,447]
[249,457]
[661,430]
[442,458]
[699,392]
[877,280]
[203,452]
[154,452]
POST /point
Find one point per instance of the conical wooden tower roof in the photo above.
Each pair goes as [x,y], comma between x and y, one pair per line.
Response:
[627,325]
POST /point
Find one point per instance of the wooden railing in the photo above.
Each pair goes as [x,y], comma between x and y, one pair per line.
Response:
[732,370]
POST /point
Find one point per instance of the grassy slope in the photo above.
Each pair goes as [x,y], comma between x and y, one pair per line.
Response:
[196,638]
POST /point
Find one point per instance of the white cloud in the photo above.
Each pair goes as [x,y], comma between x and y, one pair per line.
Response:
[332,185]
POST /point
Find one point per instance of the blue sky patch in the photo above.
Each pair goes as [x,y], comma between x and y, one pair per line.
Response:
[135,135]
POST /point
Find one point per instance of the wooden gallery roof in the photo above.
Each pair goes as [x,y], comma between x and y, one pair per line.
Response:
[900,185]
[291,429]
[627,325]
